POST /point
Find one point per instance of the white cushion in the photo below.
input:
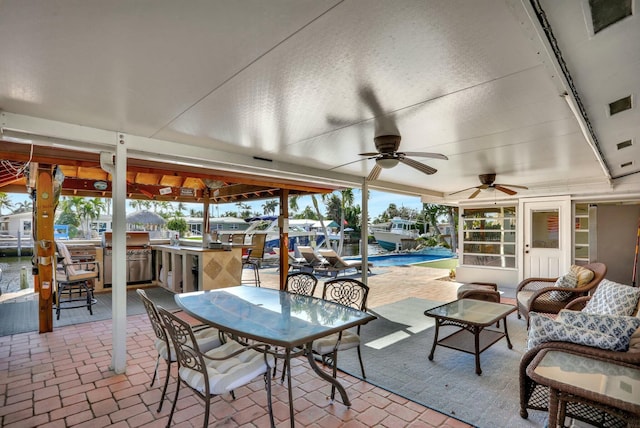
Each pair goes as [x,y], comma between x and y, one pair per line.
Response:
[326,344]
[612,298]
[228,374]
[207,339]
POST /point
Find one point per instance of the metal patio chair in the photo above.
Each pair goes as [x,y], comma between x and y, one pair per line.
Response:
[206,337]
[347,292]
[218,371]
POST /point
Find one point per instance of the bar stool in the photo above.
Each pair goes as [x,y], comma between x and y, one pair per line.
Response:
[74,277]
[254,257]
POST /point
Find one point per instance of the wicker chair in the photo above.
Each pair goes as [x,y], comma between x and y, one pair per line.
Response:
[536,397]
[540,294]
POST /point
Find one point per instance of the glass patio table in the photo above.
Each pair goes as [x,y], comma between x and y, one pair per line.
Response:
[611,386]
[472,316]
[285,320]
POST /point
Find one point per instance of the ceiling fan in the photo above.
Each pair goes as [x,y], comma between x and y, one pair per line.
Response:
[487,181]
[387,140]
[388,156]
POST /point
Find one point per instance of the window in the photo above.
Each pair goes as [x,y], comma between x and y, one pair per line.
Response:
[489,237]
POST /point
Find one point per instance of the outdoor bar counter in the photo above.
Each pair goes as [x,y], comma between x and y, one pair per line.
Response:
[189,268]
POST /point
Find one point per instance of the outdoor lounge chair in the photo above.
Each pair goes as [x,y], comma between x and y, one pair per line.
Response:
[337,264]
[313,260]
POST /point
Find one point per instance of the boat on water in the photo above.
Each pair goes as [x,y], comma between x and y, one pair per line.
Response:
[401,235]
[300,232]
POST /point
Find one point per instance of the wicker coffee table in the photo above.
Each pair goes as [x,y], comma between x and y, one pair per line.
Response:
[472,316]
[572,378]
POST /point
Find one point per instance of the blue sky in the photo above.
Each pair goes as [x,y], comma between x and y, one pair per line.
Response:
[378,202]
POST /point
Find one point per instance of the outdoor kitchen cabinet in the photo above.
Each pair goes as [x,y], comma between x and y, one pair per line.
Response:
[184,268]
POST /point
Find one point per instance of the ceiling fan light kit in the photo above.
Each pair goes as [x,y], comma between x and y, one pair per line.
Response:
[387,162]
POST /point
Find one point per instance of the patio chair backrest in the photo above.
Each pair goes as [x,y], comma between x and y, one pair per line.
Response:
[301,283]
[237,238]
[258,241]
[347,292]
[156,322]
[67,260]
[184,342]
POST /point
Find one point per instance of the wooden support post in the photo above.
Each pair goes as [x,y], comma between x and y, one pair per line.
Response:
[44,247]
[284,237]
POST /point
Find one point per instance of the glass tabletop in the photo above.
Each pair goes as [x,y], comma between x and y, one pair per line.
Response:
[471,311]
[271,316]
[597,376]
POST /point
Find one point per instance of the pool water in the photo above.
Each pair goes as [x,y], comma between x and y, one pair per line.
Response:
[400,259]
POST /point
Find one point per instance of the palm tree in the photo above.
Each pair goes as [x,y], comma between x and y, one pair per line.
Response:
[346,200]
[5,202]
[270,206]
[293,204]
[23,207]
[88,210]
[136,204]
[181,207]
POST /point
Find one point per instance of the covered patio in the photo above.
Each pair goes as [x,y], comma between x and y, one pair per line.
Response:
[267,98]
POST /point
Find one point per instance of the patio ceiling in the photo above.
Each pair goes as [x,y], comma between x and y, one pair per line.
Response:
[297,89]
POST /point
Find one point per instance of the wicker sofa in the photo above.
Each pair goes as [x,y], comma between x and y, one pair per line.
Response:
[536,397]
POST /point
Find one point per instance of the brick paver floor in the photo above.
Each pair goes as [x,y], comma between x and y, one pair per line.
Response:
[62,379]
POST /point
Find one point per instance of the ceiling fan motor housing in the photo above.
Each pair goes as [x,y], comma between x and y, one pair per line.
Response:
[487,179]
[387,143]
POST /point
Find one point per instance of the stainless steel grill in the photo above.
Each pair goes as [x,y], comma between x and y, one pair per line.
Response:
[139,258]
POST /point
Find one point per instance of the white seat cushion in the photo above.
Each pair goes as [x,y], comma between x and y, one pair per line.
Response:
[207,339]
[325,345]
[229,374]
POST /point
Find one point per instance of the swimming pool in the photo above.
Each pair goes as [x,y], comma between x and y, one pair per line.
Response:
[400,259]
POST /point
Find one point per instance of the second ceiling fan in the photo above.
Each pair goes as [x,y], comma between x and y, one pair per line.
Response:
[488,183]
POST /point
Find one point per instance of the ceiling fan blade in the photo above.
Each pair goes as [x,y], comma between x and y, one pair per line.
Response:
[511,185]
[375,173]
[427,155]
[464,190]
[474,194]
[505,190]
[348,163]
[417,165]
[369,154]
